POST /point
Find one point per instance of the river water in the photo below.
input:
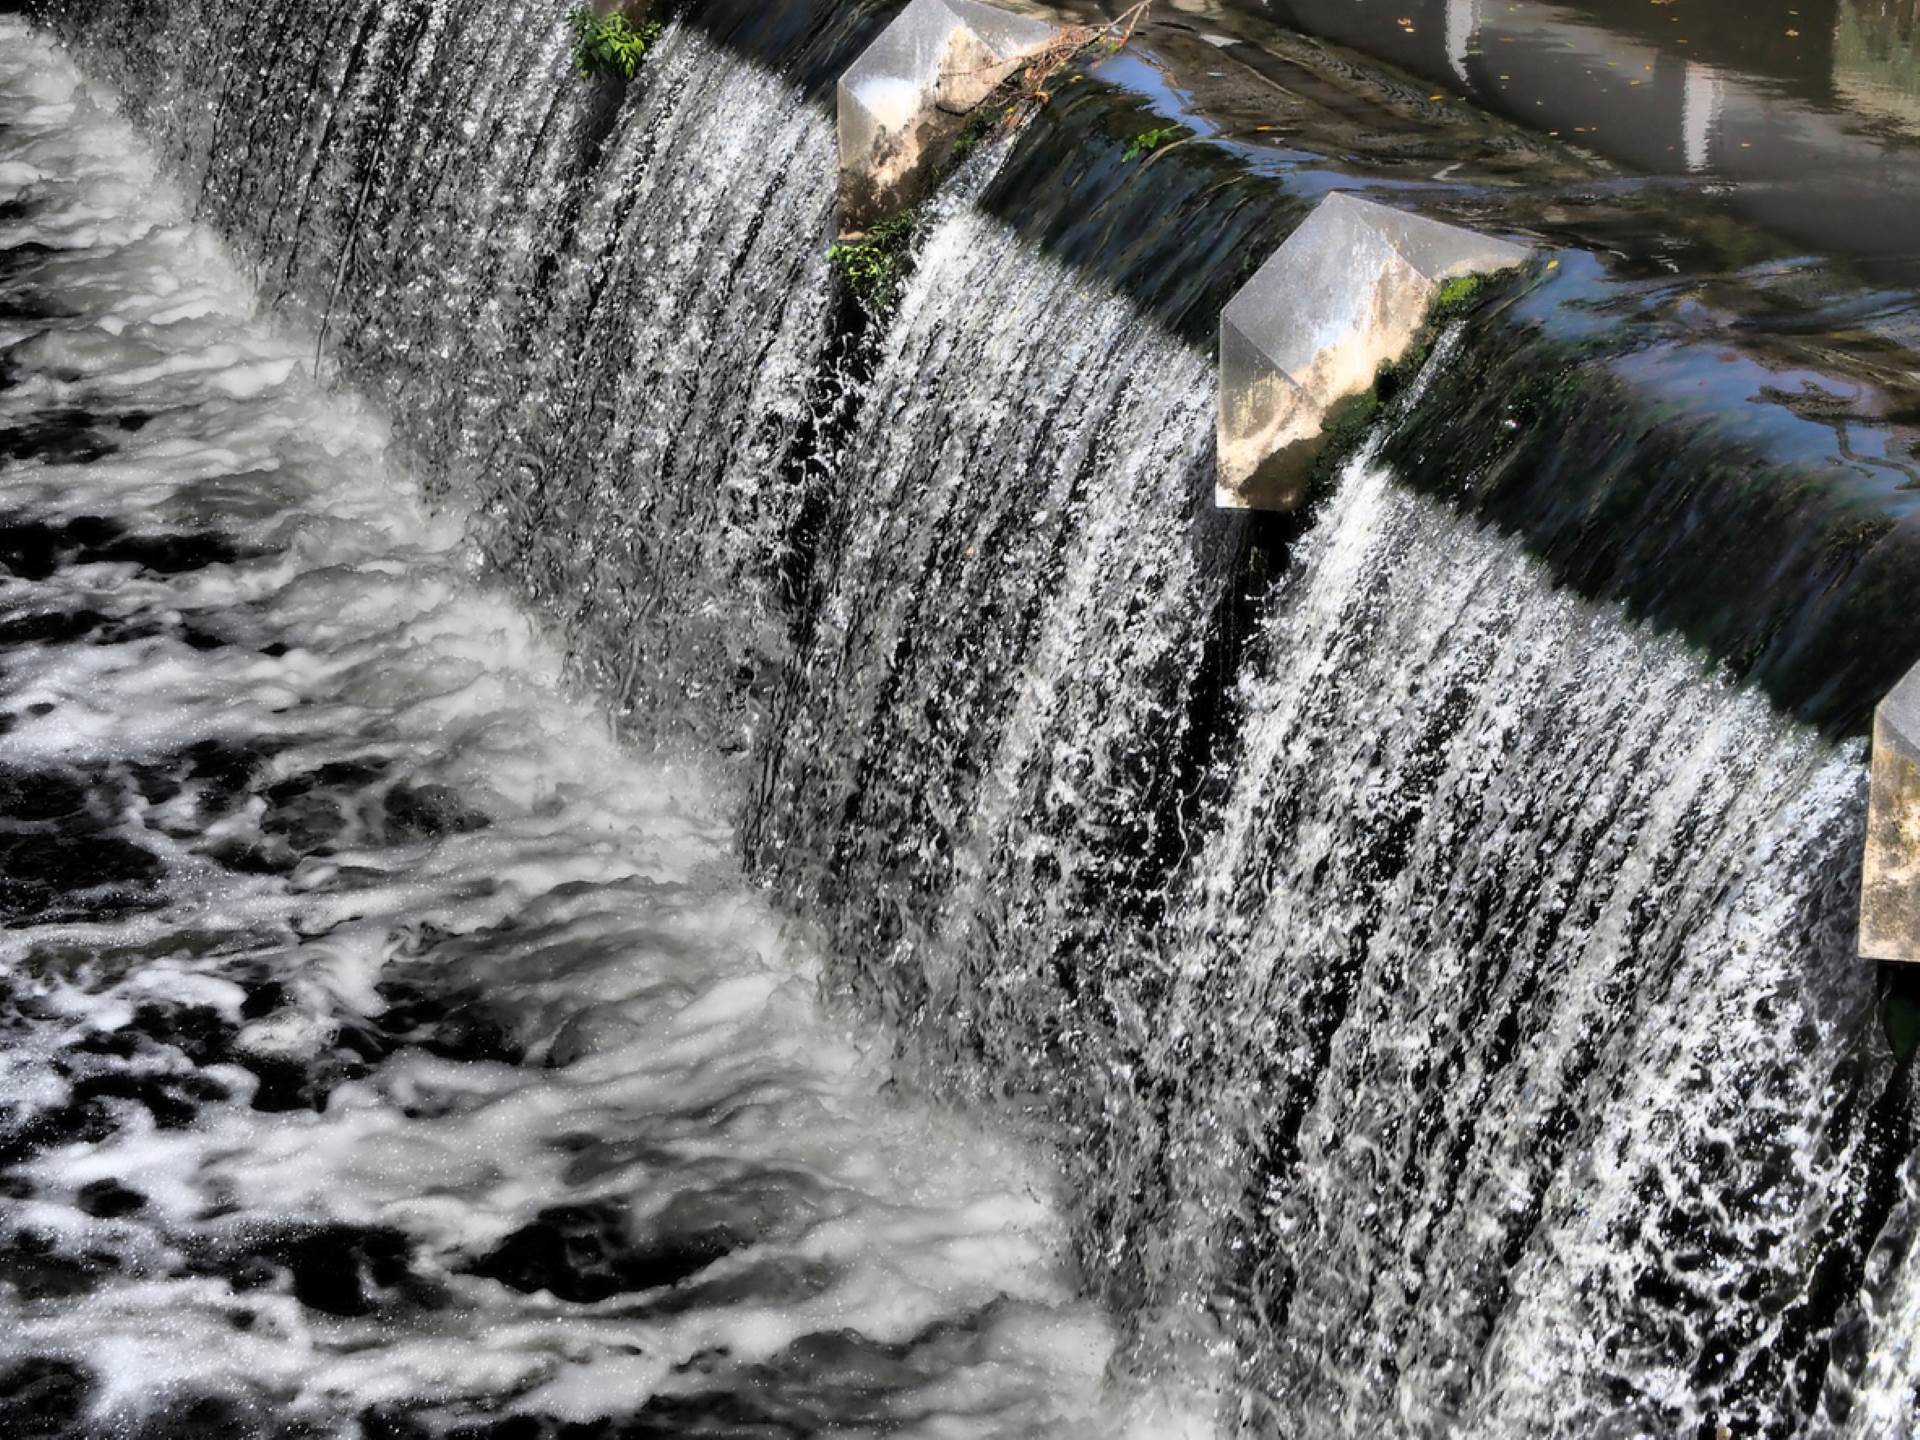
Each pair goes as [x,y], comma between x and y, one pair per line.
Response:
[1436,989]
[387,1051]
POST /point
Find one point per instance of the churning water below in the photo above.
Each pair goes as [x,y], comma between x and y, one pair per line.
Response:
[385,1052]
[1442,985]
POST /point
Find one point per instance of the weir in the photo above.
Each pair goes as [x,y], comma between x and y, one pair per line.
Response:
[1416,931]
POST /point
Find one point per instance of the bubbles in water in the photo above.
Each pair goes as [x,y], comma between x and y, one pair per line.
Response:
[387,1052]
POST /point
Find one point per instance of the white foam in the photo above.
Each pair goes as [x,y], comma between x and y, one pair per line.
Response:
[601,911]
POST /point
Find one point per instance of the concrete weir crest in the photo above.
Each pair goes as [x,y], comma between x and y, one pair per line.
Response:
[911,88]
[1348,291]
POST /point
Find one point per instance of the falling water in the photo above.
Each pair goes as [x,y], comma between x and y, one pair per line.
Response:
[1514,1016]
[597,313]
[388,1054]
[1493,1055]
[1438,987]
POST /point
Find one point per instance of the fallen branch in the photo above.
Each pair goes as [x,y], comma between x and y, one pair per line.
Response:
[1031,78]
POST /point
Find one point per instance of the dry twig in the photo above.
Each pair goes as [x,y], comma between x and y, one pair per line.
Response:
[1044,64]
[1048,61]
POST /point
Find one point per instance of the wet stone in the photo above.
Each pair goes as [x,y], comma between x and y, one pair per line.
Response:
[936,61]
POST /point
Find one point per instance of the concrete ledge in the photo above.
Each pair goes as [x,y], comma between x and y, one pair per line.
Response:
[1890,875]
[911,88]
[1348,291]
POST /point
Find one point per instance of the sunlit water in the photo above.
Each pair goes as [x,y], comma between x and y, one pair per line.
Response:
[386,1052]
[1443,986]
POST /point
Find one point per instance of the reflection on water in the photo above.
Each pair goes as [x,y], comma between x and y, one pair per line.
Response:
[1876,60]
[1810,111]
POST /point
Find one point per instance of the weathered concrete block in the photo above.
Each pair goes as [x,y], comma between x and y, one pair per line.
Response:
[911,89]
[1890,876]
[1348,291]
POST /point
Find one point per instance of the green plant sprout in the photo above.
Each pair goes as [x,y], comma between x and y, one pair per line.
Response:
[874,265]
[1148,140]
[609,45]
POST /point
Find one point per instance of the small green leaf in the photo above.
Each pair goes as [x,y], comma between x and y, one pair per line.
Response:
[1148,140]
[609,45]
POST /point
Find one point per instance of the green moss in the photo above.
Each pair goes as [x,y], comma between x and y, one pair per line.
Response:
[609,46]
[1457,294]
[1345,426]
[1348,421]
[875,265]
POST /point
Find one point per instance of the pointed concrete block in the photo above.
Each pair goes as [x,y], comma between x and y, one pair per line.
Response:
[1890,876]
[912,88]
[1348,291]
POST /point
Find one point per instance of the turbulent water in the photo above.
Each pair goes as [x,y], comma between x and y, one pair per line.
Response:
[386,1053]
[612,375]
[1440,988]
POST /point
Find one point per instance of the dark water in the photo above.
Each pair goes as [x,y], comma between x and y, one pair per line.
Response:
[1804,116]
[1438,985]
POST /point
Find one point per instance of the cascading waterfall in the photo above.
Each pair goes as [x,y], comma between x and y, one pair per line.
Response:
[1021,558]
[389,1056]
[1441,996]
[1462,950]
[613,370]
[1513,1008]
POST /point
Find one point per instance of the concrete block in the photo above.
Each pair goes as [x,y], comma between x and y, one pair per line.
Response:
[1348,291]
[1890,875]
[912,88]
